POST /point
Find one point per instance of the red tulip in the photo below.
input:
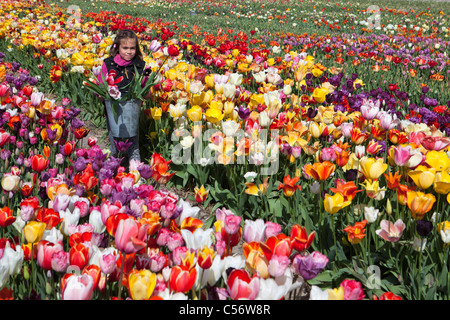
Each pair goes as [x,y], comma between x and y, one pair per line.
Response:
[173,51]
[27,90]
[86,178]
[182,279]
[241,286]
[6,217]
[79,256]
[39,163]
[49,216]
[279,245]
[300,239]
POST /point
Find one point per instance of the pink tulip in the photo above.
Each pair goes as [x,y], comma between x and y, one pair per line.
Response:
[387,120]
[278,265]
[391,231]
[108,263]
[163,237]
[46,249]
[65,102]
[174,241]
[83,206]
[232,224]
[4,137]
[60,261]
[4,90]
[272,229]
[108,209]
[36,98]
[435,143]
[327,154]
[416,137]
[369,109]
[179,254]
[346,129]
[107,186]
[130,236]
[58,112]
[402,155]
[352,290]
[78,287]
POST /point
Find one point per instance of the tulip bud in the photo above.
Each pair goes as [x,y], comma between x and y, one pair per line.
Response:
[26,272]
[388,207]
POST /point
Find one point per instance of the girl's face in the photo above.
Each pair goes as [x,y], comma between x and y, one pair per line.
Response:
[127,49]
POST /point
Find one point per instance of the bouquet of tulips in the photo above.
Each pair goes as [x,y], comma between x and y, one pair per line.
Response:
[138,88]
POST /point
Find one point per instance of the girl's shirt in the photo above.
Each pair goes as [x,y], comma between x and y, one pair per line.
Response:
[123,69]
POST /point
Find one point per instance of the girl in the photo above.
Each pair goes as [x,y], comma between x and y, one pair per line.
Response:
[124,55]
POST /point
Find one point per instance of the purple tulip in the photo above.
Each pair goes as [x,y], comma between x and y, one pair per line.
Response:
[309,266]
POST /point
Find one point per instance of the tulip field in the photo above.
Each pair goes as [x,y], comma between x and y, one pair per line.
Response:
[290,150]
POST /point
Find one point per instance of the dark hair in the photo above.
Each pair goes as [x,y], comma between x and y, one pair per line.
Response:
[125,34]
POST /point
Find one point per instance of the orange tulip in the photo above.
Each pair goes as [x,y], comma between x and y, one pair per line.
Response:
[256,260]
[393,181]
[419,203]
[342,158]
[191,224]
[320,170]
[356,233]
[348,189]
[152,219]
[289,186]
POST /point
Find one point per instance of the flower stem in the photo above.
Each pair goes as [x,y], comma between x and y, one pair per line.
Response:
[121,276]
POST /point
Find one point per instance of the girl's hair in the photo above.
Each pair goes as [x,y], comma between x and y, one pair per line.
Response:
[125,34]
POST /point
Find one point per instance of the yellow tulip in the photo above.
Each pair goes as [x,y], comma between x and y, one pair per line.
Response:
[209,80]
[171,74]
[336,294]
[34,231]
[316,129]
[373,190]
[316,72]
[195,113]
[141,283]
[77,59]
[216,105]
[156,113]
[423,176]
[319,94]
[442,182]
[438,160]
[419,203]
[372,168]
[214,115]
[333,204]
